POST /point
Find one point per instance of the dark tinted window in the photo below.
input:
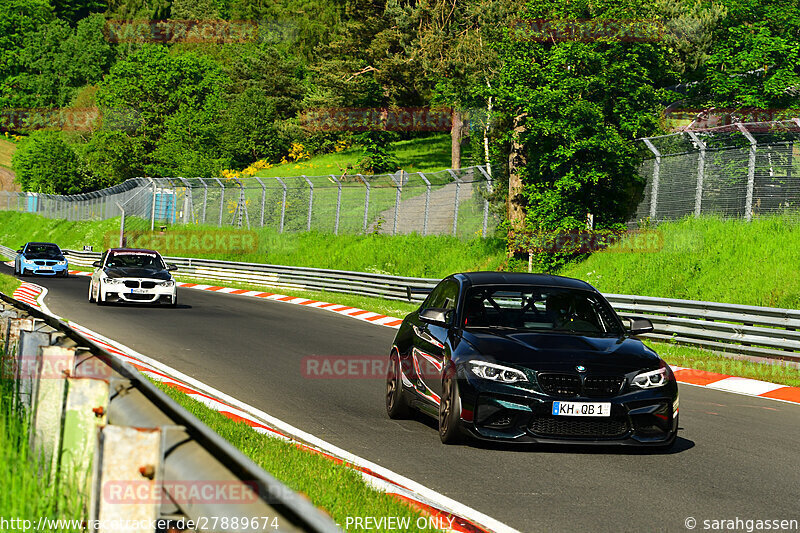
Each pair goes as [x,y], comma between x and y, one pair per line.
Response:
[134,260]
[43,249]
[444,296]
[540,309]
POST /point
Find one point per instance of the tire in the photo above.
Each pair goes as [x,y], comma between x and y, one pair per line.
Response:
[174,300]
[450,431]
[91,298]
[23,273]
[100,300]
[396,401]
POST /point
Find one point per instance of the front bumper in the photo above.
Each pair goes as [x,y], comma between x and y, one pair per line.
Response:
[45,270]
[119,293]
[493,411]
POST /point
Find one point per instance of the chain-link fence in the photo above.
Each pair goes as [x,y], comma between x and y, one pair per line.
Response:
[733,171]
[449,202]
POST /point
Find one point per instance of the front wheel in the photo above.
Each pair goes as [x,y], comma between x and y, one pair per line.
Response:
[174,301]
[91,296]
[396,404]
[450,431]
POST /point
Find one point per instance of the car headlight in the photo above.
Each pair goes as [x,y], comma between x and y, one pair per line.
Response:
[652,379]
[62,263]
[112,281]
[28,261]
[495,372]
[168,283]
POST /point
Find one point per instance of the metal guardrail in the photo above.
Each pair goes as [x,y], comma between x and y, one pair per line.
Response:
[138,435]
[741,329]
[748,330]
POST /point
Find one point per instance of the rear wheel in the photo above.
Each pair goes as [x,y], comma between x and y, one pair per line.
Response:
[450,431]
[396,404]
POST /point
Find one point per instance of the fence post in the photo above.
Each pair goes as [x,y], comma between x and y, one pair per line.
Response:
[121,227]
[205,197]
[486,174]
[654,184]
[399,189]
[153,206]
[283,203]
[701,165]
[751,173]
[338,204]
[221,201]
[366,201]
[263,198]
[427,203]
[310,201]
[455,205]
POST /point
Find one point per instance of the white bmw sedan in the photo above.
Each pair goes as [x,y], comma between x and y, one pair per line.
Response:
[132,276]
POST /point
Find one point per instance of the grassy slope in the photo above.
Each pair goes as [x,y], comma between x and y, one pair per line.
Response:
[7,149]
[409,255]
[707,259]
[428,154]
[333,487]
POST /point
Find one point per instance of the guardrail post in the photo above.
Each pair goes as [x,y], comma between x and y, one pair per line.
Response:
[129,458]
[310,201]
[28,359]
[221,201]
[398,191]
[283,203]
[654,184]
[338,204]
[84,412]
[121,227]
[751,173]
[455,205]
[263,198]
[366,200]
[54,365]
[427,203]
[489,191]
[701,165]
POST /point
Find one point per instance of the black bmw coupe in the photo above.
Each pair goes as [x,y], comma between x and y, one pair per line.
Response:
[530,358]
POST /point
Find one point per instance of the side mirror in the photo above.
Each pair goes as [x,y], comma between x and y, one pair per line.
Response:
[171,267]
[96,264]
[639,326]
[19,251]
[435,315]
[64,252]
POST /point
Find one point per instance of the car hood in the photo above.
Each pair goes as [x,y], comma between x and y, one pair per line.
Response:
[151,273]
[563,352]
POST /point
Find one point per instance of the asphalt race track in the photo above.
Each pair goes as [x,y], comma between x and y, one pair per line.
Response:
[736,456]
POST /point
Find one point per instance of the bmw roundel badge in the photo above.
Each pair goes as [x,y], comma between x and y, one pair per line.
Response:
[581,368]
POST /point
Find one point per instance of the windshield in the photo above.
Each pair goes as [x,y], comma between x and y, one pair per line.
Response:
[135,260]
[541,309]
[49,250]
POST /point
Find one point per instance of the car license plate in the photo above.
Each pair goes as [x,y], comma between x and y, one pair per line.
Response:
[138,291]
[45,268]
[581,409]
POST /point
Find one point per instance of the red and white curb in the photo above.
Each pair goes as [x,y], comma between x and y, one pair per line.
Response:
[458,517]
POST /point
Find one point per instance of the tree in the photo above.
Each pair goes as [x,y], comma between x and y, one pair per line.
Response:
[18,19]
[57,61]
[175,103]
[45,163]
[577,105]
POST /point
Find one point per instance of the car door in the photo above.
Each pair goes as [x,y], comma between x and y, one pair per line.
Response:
[431,340]
[95,280]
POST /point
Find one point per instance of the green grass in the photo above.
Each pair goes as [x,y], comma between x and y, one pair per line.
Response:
[334,488]
[7,149]
[427,154]
[708,259]
[407,255]
[8,284]
[699,359]
[25,493]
